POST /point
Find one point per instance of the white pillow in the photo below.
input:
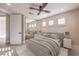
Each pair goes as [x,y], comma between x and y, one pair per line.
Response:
[54,36]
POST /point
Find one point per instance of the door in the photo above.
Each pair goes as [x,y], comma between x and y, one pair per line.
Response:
[15,29]
[2,30]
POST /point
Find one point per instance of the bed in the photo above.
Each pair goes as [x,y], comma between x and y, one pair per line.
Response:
[41,46]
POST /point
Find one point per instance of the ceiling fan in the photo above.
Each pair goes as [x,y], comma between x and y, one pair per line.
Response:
[41,8]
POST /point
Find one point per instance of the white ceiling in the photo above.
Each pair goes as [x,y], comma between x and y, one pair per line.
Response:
[23,8]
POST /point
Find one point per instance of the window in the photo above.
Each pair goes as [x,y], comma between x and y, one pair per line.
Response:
[51,22]
[61,21]
[43,23]
[34,25]
[30,25]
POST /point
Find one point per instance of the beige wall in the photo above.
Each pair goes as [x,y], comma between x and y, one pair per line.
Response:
[72,24]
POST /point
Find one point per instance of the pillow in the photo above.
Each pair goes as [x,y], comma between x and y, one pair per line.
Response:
[54,36]
[38,36]
[57,35]
[46,35]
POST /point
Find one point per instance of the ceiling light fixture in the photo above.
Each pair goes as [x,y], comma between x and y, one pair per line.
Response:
[8,4]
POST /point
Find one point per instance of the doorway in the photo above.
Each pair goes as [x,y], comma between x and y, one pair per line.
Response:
[2,30]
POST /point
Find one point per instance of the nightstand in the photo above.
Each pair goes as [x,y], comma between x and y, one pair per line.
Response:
[67,43]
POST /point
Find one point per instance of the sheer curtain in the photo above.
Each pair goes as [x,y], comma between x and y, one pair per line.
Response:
[2,30]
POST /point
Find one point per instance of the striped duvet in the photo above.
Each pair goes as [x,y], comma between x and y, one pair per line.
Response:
[43,46]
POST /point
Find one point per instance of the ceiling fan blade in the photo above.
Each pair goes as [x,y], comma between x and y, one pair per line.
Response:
[44,5]
[40,8]
[33,8]
[39,13]
[46,11]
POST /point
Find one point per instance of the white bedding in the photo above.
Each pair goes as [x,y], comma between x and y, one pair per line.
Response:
[41,46]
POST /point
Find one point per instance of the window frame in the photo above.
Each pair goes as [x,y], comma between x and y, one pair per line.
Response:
[44,23]
[62,23]
[30,25]
[50,21]
[34,25]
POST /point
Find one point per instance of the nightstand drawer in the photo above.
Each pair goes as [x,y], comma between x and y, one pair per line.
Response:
[67,43]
